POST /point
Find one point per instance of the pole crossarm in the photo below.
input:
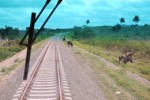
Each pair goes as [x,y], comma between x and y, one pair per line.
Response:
[46,20]
[27,33]
[32,36]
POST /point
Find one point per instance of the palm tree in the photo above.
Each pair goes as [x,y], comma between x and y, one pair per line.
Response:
[122,20]
[136,19]
[87,22]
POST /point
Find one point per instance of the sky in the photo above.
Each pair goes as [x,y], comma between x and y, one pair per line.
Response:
[70,13]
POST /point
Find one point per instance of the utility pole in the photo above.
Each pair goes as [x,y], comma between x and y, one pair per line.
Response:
[29,46]
[32,36]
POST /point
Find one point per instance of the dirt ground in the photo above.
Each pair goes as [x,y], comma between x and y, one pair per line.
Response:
[9,83]
[84,82]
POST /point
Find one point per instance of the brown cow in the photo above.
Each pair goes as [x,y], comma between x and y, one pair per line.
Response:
[69,43]
[126,58]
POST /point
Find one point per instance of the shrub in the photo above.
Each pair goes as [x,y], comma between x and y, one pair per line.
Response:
[84,33]
[145,72]
[116,28]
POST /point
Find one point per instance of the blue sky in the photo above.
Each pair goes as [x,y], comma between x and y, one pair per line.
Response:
[70,13]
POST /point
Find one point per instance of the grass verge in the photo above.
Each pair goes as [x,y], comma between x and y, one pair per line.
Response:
[141,66]
[131,87]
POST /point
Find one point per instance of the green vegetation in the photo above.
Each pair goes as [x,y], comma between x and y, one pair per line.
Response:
[46,33]
[9,33]
[115,78]
[10,37]
[84,33]
[110,44]
[9,51]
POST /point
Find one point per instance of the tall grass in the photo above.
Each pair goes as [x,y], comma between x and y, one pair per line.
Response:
[114,78]
[120,43]
[6,52]
[110,45]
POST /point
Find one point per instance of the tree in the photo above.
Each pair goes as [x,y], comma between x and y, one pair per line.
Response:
[136,19]
[77,32]
[116,28]
[3,35]
[84,33]
[88,22]
[122,20]
[87,33]
[11,33]
[146,25]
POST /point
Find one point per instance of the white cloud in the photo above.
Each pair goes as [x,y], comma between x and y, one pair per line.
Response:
[74,12]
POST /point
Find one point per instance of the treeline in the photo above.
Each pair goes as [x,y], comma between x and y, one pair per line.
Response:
[126,31]
[10,38]
[9,33]
[82,33]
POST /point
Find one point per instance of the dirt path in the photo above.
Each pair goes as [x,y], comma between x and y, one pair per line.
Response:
[81,80]
[12,81]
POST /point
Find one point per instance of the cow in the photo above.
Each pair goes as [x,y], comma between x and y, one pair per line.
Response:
[69,43]
[64,38]
[126,58]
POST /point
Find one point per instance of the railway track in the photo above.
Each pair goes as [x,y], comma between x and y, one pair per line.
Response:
[48,80]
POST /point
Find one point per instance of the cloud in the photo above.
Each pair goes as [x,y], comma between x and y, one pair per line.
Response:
[73,12]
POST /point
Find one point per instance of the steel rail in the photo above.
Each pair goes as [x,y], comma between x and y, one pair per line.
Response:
[23,95]
[58,73]
[25,90]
